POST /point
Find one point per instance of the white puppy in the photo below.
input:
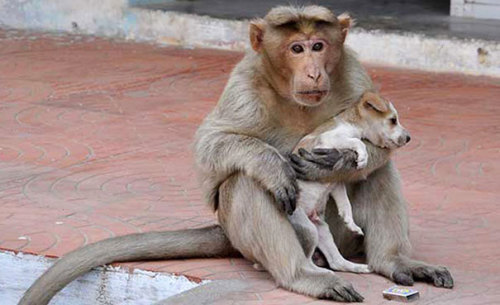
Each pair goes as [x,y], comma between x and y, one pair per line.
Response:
[373,119]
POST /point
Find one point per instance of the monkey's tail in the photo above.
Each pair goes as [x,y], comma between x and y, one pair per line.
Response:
[204,242]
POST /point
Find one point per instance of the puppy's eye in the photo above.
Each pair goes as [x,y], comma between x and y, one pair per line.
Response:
[297,48]
[318,46]
[394,121]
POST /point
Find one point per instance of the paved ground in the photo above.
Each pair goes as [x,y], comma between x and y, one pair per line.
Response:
[95,142]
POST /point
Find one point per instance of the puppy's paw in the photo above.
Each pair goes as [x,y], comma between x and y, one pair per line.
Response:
[258,267]
[362,159]
[362,268]
[354,228]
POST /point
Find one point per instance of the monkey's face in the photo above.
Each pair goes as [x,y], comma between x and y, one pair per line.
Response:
[382,125]
[303,63]
[310,61]
[300,51]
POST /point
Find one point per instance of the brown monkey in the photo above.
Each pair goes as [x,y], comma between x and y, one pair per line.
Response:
[298,75]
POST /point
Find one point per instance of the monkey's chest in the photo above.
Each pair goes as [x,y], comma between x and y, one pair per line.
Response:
[282,139]
[286,132]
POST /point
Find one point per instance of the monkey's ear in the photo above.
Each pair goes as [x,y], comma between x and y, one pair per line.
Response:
[256,34]
[346,22]
[371,100]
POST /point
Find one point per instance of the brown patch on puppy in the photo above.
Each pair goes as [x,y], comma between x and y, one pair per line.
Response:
[374,102]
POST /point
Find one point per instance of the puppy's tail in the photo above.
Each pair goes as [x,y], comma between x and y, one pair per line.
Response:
[203,242]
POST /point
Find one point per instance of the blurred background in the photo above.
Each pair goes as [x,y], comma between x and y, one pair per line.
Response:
[436,17]
[441,35]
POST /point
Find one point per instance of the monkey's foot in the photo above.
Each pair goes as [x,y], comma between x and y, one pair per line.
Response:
[341,291]
[418,271]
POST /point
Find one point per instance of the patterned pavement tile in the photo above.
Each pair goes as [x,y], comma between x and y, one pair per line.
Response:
[95,142]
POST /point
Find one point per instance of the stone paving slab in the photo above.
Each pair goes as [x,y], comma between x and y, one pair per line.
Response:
[95,141]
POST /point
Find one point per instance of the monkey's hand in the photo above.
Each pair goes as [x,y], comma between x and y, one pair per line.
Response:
[322,163]
[281,181]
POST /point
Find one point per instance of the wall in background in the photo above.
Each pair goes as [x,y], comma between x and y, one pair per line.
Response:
[483,9]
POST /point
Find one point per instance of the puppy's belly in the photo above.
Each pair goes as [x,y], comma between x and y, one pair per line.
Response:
[313,196]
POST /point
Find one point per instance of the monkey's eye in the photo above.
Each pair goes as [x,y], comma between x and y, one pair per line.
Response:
[297,48]
[394,121]
[318,46]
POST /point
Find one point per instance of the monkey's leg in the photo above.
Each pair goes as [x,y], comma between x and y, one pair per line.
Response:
[339,193]
[381,209]
[264,235]
[335,259]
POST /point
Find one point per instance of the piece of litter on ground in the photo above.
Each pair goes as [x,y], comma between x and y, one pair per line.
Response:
[402,294]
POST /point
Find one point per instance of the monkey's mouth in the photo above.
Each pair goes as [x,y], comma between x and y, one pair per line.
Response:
[312,92]
[315,95]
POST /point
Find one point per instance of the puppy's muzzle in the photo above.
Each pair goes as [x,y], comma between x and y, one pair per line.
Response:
[404,138]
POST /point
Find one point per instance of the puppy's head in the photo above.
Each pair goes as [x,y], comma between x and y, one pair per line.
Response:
[383,127]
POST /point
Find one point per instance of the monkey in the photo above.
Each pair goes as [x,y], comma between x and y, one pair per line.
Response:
[297,74]
[241,149]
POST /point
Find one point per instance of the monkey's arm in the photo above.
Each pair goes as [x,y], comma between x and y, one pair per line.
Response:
[337,165]
[221,154]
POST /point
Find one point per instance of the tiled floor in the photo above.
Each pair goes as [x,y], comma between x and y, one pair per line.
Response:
[95,142]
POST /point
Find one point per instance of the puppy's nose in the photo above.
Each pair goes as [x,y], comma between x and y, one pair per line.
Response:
[404,139]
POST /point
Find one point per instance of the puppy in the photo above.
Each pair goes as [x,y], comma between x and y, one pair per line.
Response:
[372,118]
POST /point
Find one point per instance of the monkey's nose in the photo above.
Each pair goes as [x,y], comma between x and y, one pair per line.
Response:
[314,76]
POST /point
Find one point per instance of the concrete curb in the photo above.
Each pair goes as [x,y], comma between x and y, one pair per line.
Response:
[115,18]
[101,286]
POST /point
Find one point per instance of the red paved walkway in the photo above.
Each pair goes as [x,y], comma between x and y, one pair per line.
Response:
[95,142]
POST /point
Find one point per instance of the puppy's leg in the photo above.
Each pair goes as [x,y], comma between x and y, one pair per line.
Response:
[380,208]
[263,234]
[306,231]
[339,193]
[332,254]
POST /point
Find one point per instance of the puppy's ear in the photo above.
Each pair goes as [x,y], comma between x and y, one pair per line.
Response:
[256,31]
[346,22]
[371,100]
